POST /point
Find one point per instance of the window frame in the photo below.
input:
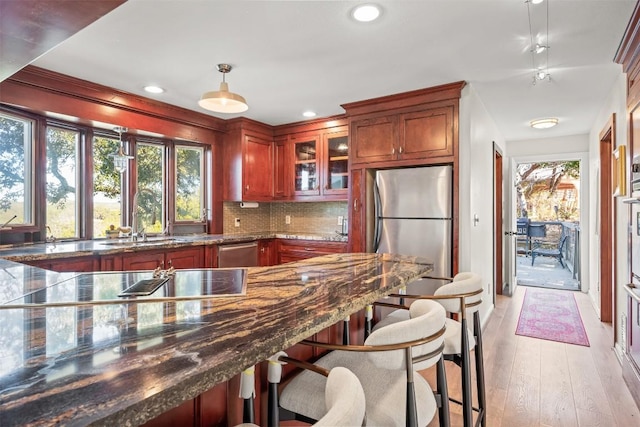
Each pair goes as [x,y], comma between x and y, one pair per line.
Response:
[36,231]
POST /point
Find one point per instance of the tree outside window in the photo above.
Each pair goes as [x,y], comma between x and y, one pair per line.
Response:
[16,170]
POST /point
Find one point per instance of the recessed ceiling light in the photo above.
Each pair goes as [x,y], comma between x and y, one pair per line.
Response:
[153,89]
[544,123]
[366,12]
[309,114]
[536,1]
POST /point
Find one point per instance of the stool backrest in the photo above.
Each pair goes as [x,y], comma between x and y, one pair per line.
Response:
[463,283]
[427,318]
[344,398]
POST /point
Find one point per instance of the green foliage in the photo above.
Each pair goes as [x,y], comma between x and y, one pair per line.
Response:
[13,133]
[538,194]
[106,179]
[189,185]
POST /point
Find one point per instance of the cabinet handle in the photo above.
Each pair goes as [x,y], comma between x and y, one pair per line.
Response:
[246,188]
[393,150]
[262,250]
[400,150]
[308,249]
[355,205]
[161,264]
[169,263]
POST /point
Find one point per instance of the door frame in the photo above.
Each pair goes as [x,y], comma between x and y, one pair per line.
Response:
[498,217]
[606,235]
[583,157]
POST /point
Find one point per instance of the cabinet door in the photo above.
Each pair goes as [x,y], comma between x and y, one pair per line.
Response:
[427,134]
[281,169]
[372,139]
[257,171]
[142,260]
[266,252]
[296,250]
[185,258]
[335,165]
[633,334]
[111,263]
[306,165]
[67,265]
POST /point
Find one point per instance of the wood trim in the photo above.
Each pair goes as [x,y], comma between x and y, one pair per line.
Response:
[29,29]
[607,223]
[628,49]
[498,250]
[406,99]
[45,92]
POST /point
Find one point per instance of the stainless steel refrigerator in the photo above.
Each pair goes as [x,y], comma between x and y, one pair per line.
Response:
[413,216]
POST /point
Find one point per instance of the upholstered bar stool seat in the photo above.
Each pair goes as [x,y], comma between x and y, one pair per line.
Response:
[384,375]
[343,403]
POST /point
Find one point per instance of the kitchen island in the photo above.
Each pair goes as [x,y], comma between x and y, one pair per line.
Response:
[70,356]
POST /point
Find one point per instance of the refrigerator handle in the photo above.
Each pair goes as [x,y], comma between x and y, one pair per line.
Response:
[376,216]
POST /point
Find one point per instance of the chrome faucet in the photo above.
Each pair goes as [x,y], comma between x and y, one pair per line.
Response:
[135,232]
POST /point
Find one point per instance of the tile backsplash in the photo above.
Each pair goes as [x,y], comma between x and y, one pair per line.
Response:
[306,217]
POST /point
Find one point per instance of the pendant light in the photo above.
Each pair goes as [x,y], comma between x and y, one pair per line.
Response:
[223,101]
[120,158]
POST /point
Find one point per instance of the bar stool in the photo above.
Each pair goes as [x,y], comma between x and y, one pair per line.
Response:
[461,297]
[386,373]
[343,394]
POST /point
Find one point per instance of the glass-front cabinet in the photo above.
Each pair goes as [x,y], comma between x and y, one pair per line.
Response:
[320,164]
[336,166]
[306,165]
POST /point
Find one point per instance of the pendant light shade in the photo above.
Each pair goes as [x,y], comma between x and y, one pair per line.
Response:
[120,158]
[223,101]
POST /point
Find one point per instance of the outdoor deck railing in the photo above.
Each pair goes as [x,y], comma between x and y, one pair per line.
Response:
[549,234]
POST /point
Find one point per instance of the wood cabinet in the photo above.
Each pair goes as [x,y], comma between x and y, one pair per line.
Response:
[628,55]
[266,252]
[82,264]
[424,134]
[290,250]
[312,161]
[357,230]
[248,153]
[179,258]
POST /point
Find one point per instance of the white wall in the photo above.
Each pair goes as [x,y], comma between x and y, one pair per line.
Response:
[616,103]
[477,134]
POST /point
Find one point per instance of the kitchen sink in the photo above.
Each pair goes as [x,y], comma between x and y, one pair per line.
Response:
[149,241]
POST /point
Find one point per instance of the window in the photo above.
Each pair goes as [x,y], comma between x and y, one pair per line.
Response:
[107,186]
[16,170]
[63,193]
[150,187]
[189,197]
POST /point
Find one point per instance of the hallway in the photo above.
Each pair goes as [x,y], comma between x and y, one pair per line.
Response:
[533,382]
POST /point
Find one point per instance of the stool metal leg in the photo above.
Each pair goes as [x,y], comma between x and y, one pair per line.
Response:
[482,400]
[444,417]
[467,409]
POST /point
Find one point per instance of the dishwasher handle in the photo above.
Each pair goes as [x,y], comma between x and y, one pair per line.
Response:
[224,248]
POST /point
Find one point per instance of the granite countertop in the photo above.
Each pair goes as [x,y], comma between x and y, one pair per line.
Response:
[39,251]
[124,363]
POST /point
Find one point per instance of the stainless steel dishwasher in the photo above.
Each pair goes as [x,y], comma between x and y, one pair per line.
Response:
[238,255]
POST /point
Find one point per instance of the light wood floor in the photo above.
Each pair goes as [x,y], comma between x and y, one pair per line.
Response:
[533,382]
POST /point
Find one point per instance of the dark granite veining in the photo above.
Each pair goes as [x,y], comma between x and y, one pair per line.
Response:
[125,363]
[35,252]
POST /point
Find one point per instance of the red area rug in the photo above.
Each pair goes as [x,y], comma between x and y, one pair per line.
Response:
[551,315]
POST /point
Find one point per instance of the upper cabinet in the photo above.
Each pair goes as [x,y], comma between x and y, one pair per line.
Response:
[408,129]
[318,165]
[248,151]
[426,133]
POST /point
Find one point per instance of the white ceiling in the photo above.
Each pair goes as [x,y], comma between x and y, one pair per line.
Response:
[289,56]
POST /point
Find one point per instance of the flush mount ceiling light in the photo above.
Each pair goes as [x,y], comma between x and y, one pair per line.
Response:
[223,101]
[309,114]
[120,158]
[366,12]
[544,123]
[153,89]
